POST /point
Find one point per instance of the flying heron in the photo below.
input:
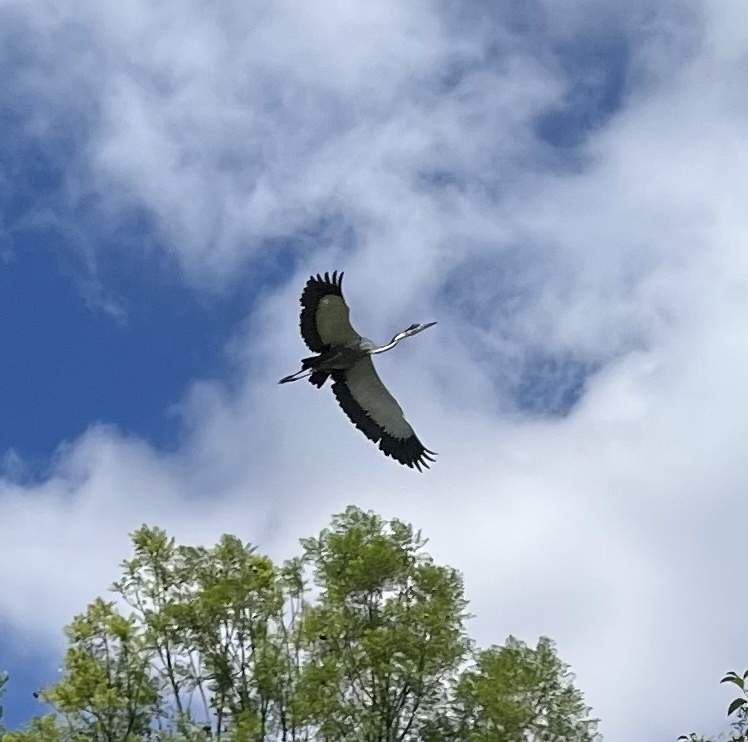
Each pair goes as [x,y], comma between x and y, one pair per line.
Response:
[346,356]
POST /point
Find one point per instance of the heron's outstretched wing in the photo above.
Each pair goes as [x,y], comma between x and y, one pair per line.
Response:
[324,313]
[376,413]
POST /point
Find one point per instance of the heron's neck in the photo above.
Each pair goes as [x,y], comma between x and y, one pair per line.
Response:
[383,348]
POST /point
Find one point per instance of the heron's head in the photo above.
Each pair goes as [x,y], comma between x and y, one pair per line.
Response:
[413,330]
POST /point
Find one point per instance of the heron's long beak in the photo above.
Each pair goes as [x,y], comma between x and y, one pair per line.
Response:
[295,377]
[421,328]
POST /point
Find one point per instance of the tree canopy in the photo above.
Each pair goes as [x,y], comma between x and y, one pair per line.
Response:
[362,636]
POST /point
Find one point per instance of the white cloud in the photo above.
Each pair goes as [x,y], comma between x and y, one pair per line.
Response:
[286,114]
[611,530]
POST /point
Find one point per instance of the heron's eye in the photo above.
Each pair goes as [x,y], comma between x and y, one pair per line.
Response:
[412,327]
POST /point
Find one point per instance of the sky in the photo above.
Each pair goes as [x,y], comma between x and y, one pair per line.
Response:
[562,186]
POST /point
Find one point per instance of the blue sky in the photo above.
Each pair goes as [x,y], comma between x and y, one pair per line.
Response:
[71,362]
[550,186]
[119,341]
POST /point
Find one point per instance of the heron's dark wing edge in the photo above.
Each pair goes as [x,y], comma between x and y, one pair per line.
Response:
[317,287]
[408,451]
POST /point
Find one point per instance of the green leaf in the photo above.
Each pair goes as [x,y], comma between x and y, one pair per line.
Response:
[735,705]
[733,678]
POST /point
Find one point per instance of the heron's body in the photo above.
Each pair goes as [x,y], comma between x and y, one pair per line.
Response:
[345,356]
[339,358]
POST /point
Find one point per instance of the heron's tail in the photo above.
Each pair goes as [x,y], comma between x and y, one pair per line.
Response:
[318,378]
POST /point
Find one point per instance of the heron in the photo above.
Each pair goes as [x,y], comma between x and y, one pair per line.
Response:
[346,357]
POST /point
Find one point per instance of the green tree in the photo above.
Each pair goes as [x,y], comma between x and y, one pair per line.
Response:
[515,693]
[3,681]
[360,637]
[392,629]
[223,624]
[739,705]
[738,709]
[109,691]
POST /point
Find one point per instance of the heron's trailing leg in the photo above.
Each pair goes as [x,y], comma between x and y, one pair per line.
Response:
[298,375]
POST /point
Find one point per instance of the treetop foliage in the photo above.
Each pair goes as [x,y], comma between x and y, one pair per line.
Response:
[362,636]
